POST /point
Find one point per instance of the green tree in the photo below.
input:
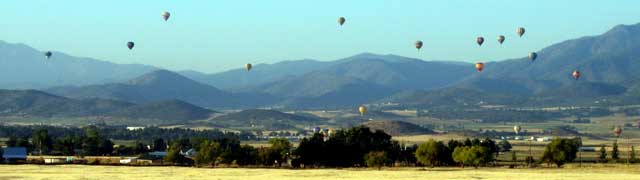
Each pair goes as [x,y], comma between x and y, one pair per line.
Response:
[514,156]
[561,151]
[472,155]
[602,156]
[91,141]
[208,152]
[159,145]
[376,159]
[279,150]
[12,141]
[42,141]
[174,156]
[615,154]
[432,153]
[632,155]
[504,146]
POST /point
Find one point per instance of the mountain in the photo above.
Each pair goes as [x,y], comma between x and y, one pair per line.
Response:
[260,74]
[28,68]
[163,85]
[397,128]
[610,58]
[168,110]
[266,119]
[454,97]
[32,103]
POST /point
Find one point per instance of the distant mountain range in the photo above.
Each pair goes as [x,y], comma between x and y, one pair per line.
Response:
[32,103]
[608,63]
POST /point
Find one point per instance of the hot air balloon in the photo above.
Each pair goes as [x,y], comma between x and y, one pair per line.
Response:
[501,39]
[341,20]
[48,54]
[331,132]
[166,15]
[316,130]
[479,66]
[418,45]
[520,31]
[130,45]
[533,56]
[517,129]
[248,66]
[576,74]
[362,110]
[480,40]
[617,131]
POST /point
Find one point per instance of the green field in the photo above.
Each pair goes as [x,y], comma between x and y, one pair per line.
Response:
[618,172]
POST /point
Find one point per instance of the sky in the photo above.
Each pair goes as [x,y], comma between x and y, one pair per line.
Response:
[214,35]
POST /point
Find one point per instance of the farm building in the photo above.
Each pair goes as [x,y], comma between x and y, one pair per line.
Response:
[14,154]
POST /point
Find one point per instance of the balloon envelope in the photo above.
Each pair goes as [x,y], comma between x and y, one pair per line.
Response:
[479,66]
[130,45]
[341,20]
[418,44]
[480,40]
[501,39]
[48,54]
[517,129]
[520,31]
[533,56]
[248,66]
[617,131]
[576,74]
[362,110]
[166,15]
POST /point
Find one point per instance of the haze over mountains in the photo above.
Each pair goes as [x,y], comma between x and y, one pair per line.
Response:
[607,62]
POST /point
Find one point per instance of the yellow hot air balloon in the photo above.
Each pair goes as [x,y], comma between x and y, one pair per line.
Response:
[479,66]
[248,66]
[362,110]
[517,129]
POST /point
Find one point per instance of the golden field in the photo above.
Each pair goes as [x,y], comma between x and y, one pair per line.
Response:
[618,172]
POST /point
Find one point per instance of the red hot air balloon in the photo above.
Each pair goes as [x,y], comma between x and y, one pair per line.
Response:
[576,74]
[479,66]
[480,40]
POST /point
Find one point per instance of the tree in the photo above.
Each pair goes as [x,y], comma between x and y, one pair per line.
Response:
[632,155]
[561,151]
[12,141]
[91,141]
[472,155]
[615,154]
[279,150]
[514,157]
[105,147]
[208,152]
[432,153]
[42,141]
[504,146]
[174,156]
[602,156]
[159,145]
[376,159]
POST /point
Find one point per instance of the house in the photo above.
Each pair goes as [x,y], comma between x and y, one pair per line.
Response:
[131,160]
[14,154]
[133,128]
[543,139]
[55,160]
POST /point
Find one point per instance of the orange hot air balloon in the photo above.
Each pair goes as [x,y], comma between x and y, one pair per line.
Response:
[576,74]
[479,66]
[617,131]
[418,45]
[480,40]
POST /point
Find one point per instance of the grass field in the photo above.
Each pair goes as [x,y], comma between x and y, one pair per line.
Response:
[618,172]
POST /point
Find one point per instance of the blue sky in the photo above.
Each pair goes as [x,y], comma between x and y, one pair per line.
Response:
[214,35]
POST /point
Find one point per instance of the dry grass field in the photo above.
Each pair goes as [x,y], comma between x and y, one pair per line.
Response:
[618,172]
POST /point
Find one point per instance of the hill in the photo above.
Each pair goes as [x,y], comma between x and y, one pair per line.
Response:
[265,119]
[163,85]
[29,69]
[397,128]
[32,103]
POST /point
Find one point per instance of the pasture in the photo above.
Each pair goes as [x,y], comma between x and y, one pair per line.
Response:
[619,172]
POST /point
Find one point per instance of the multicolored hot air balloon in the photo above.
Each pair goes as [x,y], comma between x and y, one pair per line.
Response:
[533,56]
[248,66]
[418,45]
[480,40]
[576,74]
[520,31]
[48,54]
[130,45]
[479,66]
[166,15]
[617,131]
[501,39]
[362,110]
[517,129]
[341,20]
